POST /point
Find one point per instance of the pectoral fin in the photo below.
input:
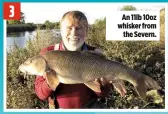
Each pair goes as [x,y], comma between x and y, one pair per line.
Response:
[119,86]
[95,86]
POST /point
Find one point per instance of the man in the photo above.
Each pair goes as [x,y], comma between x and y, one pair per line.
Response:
[74,30]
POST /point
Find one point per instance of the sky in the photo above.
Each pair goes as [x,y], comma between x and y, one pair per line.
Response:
[40,12]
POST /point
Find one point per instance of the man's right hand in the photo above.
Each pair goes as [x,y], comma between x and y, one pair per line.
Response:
[51,79]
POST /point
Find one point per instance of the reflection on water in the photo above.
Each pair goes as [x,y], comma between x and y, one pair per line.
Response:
[16,34]
[19,39]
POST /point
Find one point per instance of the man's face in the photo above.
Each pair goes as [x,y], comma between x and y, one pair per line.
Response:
[73,33]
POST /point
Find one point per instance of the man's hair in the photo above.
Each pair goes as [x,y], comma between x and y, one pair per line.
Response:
[76,15]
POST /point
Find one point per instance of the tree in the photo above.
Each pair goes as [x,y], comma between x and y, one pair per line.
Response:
[22,19]
[128,8]
[51,25]
[57,25]
[47,24]
[97,33]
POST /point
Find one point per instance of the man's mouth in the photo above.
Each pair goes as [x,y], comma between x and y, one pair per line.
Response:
[74,39]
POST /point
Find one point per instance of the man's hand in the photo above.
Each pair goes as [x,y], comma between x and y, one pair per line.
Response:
[51,79]
[104,86]
[102,81]
[118,85]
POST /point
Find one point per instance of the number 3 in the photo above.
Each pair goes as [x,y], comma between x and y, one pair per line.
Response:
[11,11]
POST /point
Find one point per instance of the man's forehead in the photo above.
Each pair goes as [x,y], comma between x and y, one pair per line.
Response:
[70,20]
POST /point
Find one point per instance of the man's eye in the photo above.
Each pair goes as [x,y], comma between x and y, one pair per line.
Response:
[78,28]
[69,28]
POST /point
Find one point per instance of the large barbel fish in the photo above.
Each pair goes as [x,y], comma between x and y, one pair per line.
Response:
[74,67]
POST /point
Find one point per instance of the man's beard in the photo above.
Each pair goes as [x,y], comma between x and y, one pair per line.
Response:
[73,47]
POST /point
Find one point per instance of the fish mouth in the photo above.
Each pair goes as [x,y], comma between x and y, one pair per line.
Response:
[23,71]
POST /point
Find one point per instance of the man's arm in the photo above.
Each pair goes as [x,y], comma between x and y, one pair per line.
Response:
[51,79]
[42,89]
[45,85]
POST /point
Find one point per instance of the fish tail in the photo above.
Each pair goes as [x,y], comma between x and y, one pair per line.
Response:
[145,83]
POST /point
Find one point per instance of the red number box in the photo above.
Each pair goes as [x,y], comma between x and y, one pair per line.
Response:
[11,10]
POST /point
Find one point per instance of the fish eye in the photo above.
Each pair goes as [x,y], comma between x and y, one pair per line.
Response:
[28,61]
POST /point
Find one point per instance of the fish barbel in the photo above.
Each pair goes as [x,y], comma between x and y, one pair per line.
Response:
[74,67]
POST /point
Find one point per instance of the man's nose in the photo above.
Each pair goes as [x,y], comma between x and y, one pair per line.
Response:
[74,31]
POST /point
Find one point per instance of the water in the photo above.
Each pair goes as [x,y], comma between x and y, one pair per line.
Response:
[19,39]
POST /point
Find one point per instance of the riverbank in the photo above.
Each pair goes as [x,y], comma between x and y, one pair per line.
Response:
[20,27]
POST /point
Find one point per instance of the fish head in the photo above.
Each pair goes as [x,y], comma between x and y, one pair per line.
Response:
[33,66]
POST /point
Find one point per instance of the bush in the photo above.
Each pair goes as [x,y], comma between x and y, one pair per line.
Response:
[148,57]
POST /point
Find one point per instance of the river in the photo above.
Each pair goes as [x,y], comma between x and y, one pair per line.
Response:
[19,39]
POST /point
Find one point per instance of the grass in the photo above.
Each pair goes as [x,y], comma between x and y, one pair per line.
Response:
[144,56]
